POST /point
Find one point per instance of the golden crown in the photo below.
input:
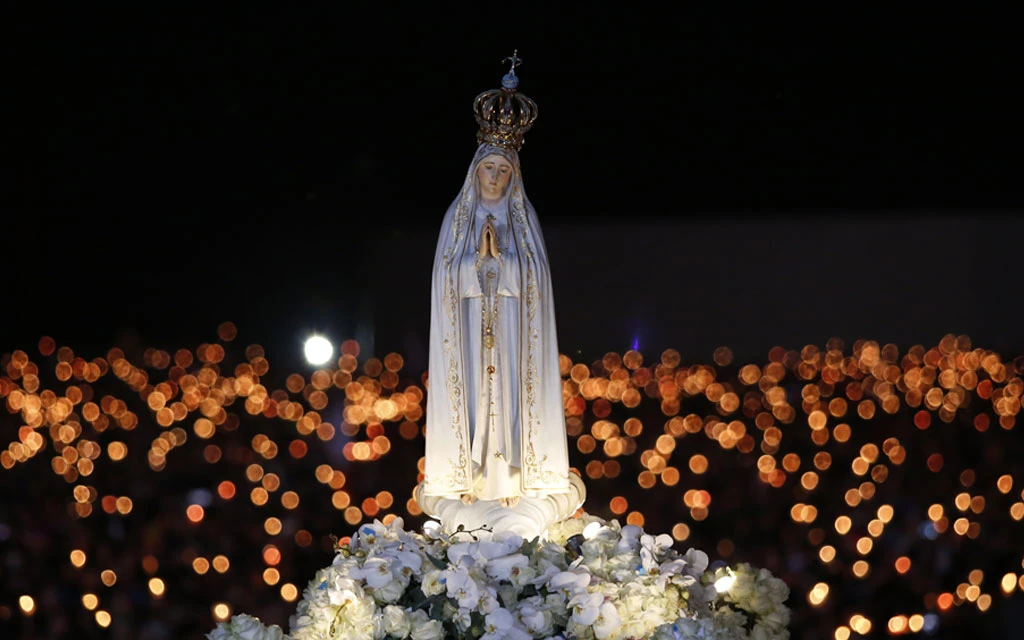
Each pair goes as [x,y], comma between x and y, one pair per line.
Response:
[504,115]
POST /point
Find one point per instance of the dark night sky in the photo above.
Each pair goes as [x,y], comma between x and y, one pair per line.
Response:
[742,180]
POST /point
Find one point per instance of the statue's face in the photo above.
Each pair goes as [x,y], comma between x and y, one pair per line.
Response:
[494,172]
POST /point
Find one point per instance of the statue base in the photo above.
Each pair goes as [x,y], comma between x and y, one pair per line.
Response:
[529,519]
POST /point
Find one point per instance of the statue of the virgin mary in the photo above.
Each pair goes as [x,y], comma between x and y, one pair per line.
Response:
[495,426]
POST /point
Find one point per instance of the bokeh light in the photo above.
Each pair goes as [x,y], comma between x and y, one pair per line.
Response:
[318,350]
[837,469]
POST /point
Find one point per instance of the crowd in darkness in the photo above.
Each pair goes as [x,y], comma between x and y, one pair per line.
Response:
[749,521]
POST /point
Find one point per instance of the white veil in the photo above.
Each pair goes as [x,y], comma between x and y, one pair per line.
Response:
[544,464]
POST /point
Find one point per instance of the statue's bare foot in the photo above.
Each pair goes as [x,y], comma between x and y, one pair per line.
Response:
[468,498]
[509,502]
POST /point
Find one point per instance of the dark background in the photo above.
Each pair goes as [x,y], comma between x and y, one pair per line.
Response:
[748,180]
[752,179]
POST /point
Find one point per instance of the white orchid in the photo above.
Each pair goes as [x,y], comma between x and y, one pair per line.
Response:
[621,584]
[569,583]
[696,560]
[544,571]
[463,619]
[489,602]
[376,572]
[245,627]
[497,624]
[607,621]
[653,550]
[461,587]
[504,567]
[535,617]
[628,538]
[586,607]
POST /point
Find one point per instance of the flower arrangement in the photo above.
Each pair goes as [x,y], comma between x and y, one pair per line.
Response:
[590,579]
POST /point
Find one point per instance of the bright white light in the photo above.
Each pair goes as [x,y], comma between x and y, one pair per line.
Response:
[724,583]
[318,350]
[591,530]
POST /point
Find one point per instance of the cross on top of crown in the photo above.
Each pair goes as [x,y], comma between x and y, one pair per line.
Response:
[515,60]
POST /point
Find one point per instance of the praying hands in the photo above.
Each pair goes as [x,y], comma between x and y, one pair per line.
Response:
[489,241]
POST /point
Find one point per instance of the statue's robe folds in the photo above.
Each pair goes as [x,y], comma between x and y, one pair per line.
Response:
[495,418]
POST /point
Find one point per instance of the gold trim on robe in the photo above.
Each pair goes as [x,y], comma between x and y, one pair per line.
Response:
[544,466]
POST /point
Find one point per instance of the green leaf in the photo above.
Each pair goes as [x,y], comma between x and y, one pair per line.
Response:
[476,625]
[413,598]
[437,562]
[436,610]
[529,548]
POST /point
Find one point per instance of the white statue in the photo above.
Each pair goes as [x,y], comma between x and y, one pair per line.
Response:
[495,417]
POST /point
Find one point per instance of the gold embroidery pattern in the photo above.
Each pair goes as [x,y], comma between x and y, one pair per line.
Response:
[461,214]
[460,475]
[532,463]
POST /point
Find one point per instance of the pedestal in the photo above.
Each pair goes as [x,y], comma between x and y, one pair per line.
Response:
[529,519]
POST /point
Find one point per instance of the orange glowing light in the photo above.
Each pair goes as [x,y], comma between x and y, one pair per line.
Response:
[226,490]
[618,505]
[271,555]
[902,564]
